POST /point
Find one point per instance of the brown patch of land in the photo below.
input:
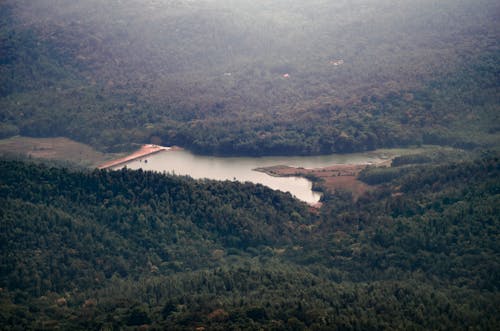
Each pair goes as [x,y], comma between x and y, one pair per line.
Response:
[145,150]
[331,178]
[55,149]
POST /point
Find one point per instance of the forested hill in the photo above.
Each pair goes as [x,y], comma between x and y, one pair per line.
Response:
[130,249]
[244,78]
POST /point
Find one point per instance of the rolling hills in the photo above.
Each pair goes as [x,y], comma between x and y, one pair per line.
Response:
[237,78]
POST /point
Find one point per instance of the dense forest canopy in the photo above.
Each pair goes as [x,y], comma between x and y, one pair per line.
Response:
[251,77]
[116,250]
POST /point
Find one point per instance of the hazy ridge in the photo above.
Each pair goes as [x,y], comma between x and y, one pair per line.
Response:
[168,70]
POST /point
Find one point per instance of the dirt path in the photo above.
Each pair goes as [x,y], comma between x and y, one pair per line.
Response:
[145,150]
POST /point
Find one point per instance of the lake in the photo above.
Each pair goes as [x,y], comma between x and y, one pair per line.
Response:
[182,162]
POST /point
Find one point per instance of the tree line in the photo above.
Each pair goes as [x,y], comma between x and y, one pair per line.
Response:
[121,249]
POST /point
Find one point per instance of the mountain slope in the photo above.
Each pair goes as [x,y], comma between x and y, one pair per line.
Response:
[239,78]
[122,249]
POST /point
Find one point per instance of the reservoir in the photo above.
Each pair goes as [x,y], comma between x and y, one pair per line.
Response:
[182,162]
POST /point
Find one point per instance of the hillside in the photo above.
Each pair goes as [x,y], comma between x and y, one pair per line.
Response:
[102,250]
[238,78]
[411,246]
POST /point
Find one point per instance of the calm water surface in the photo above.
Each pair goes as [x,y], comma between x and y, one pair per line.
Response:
[241,168]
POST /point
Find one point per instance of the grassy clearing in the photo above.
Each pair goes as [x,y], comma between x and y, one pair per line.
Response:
[59,149]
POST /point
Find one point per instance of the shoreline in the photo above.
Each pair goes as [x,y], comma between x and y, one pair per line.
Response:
[330,178]
[145,150]
[326,180]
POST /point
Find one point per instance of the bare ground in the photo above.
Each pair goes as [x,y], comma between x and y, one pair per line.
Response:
[330,179]
[145,150]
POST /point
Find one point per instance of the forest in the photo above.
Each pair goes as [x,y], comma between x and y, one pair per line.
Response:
[89,249]
[109,250]
[236,78]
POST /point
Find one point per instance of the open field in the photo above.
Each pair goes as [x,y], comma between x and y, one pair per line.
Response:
[59,148]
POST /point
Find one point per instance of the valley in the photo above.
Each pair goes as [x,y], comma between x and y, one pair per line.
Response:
[301,176]
[339,166]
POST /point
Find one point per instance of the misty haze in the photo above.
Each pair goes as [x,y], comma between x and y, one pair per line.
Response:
[238,164]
